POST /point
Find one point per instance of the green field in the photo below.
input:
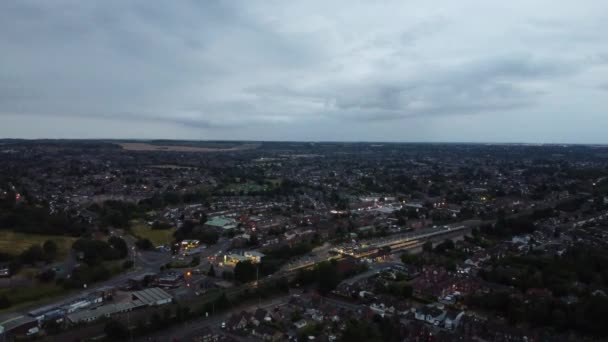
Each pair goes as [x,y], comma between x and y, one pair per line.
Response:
[15,243]
[156,236]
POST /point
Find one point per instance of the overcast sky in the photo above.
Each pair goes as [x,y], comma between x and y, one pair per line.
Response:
[475,71]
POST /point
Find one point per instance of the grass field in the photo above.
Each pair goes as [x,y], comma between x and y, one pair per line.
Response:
[15,243]
[156,236]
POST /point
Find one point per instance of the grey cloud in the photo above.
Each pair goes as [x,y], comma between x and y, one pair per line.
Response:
[215,65]
[469,88]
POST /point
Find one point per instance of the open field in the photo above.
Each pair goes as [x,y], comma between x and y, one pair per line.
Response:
[156,236]
[133,146]
[15,243]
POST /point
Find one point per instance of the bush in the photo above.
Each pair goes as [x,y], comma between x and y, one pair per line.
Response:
[127,264]
[144,244]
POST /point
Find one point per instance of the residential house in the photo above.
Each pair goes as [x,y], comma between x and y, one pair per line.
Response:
[452,319]
[267,333]
[300,324]
[238,321]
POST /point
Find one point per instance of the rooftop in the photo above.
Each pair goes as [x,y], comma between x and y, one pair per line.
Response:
[151,296]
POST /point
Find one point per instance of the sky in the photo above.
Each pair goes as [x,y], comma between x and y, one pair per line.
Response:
[442,71]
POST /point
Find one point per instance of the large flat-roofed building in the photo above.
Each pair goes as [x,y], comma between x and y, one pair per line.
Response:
[139,299]
[16,325]
[103,311]
[170,279]
[152,296]
[252,256]
[221,223]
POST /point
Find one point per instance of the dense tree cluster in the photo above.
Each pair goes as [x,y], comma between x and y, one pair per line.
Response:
[377,330]
[560,274]
[326,275]
[190,230]
[95,251]
[27,218]
[275,258]
[245,271]
[574,274]
[586,316]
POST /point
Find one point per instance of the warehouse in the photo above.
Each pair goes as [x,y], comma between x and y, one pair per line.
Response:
[152,296]
[103,311]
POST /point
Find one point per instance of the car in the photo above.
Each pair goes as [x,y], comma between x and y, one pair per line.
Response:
[223,325]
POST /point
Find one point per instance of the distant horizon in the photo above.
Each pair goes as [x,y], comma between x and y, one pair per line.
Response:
[310,141]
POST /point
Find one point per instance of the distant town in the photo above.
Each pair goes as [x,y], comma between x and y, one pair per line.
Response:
[108,240]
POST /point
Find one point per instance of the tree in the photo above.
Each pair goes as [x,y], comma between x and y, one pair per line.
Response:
[196,260]
[120,245]
[411,259]
[144,244]
[32,255]
[208,237]
[407,291]
[116,331]
[211,272]
[328,277]
[50,249]
[427,247]
[253,240]
[95,251]
[445,246]
[245,271]
[203,219]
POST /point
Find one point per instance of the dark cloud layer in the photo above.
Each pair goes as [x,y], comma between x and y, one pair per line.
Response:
[353,70]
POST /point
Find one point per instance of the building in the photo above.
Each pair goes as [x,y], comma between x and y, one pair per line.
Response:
[170,279]
[152,296]
[452,319]
[267,333]
[189,244]
[17,325]
[223,223]
[254,256]
[103,311]
[139,299]
[430,314]
[233,259]
[300,324]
